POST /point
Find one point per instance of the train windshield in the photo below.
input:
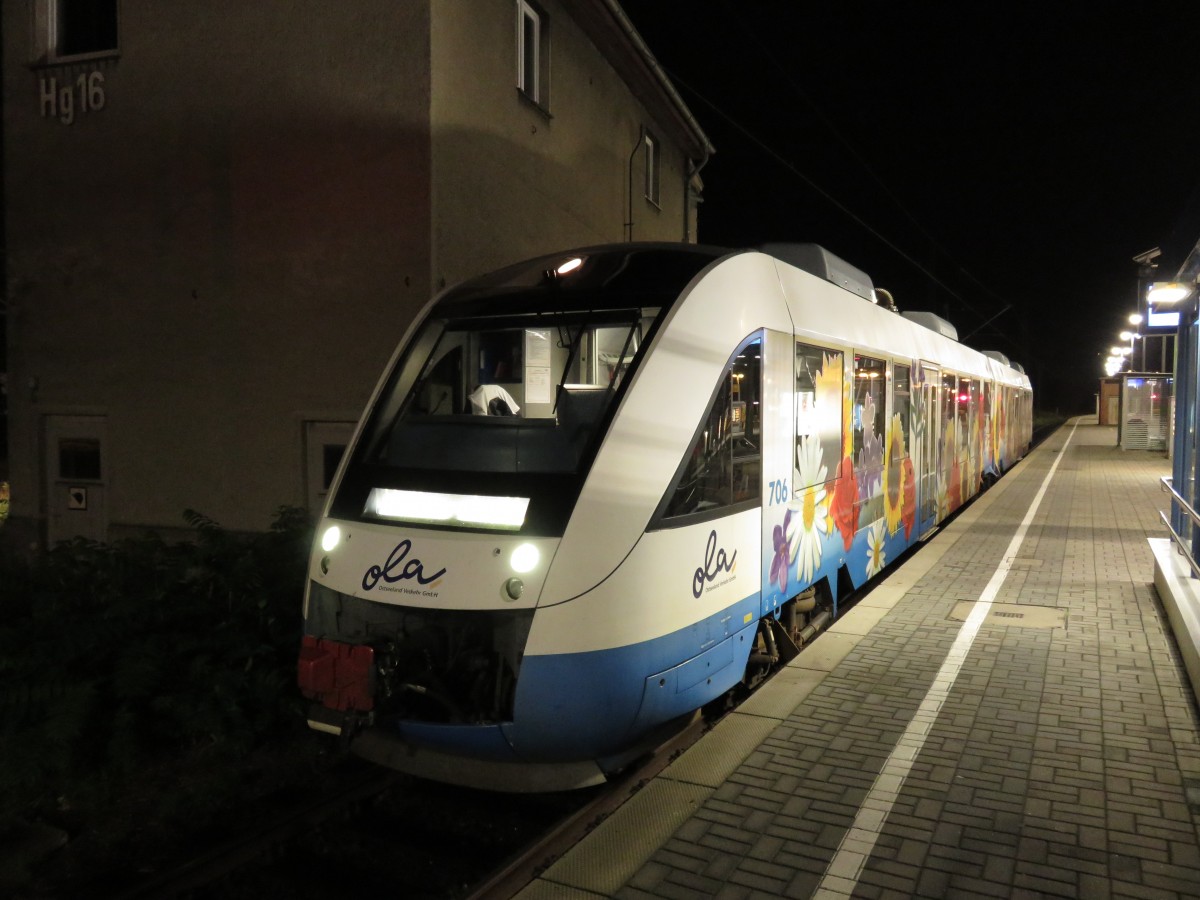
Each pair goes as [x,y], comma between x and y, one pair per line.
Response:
[515,395]
[505,391]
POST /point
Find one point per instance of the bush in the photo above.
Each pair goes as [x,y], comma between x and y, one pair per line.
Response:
[117,657]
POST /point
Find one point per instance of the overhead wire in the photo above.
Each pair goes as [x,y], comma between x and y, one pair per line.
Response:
[834,201]
[861,160]
[845,210]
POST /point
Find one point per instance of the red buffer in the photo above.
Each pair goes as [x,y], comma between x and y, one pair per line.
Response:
[336,674]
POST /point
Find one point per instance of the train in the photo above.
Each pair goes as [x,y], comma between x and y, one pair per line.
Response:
[595,491]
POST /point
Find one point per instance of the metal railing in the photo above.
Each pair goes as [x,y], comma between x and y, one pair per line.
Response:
[1182,543]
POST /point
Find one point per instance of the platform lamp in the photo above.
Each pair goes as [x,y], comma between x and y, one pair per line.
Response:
[1117,355]
[1135,319]
[1130,336]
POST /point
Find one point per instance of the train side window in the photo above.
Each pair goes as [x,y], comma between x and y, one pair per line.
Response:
[964,412]
[949,402]
[724,465]
[818,414]
[869,434]
[901,404]
[869,409]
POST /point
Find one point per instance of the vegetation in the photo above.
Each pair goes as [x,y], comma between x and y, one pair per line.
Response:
[136,679]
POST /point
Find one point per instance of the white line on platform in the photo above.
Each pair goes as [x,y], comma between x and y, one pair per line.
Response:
[852,853]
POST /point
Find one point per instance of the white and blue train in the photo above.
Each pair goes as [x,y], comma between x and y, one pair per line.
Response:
[597,490]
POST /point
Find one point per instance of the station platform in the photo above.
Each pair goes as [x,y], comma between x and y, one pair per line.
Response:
[1007,714]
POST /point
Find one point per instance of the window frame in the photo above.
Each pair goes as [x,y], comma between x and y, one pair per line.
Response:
[533,55]
[652,158]
[47,38]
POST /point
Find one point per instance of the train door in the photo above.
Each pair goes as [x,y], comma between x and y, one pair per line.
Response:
[926,433]
[807,540]
[778,481]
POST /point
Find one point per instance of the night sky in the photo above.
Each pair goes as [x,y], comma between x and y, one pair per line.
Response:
[1001,162]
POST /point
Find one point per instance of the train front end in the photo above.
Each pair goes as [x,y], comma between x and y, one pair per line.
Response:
[447,512]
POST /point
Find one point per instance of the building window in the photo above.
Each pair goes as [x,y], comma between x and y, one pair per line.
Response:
[71,29]
[79,459]
[650,145]
[533,53]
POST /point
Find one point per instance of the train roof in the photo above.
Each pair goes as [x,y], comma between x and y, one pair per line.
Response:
[816,260]
[607,277]
[618,276]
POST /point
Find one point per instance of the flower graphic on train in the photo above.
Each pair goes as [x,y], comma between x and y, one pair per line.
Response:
[814,509]
[781,538]
[916,410]
[954,484]
[893,482]
[869,470]
[847,418]
[910,496]
[876,556]
[975,473]
[997,433]
[844,507]
[943,496]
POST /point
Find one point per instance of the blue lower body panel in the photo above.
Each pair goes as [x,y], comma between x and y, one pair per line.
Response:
[581,706]
[586,705]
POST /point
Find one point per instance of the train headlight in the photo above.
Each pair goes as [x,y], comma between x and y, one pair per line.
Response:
[513,588]
[524,558]
[330,538]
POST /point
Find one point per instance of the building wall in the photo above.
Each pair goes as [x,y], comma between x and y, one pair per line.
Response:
[543,179]
[204,261]
[208,272]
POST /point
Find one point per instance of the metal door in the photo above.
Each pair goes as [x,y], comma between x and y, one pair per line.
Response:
[76,477]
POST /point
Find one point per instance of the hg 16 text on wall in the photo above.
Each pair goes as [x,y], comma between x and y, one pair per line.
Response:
[62,99]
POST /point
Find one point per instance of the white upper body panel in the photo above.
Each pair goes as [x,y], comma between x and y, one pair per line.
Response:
[654,427]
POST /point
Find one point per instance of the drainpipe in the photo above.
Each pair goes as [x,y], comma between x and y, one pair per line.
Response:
[692,172]
[629,216]
[706,148]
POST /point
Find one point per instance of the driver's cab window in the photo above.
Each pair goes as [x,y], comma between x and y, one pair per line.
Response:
[724,465]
